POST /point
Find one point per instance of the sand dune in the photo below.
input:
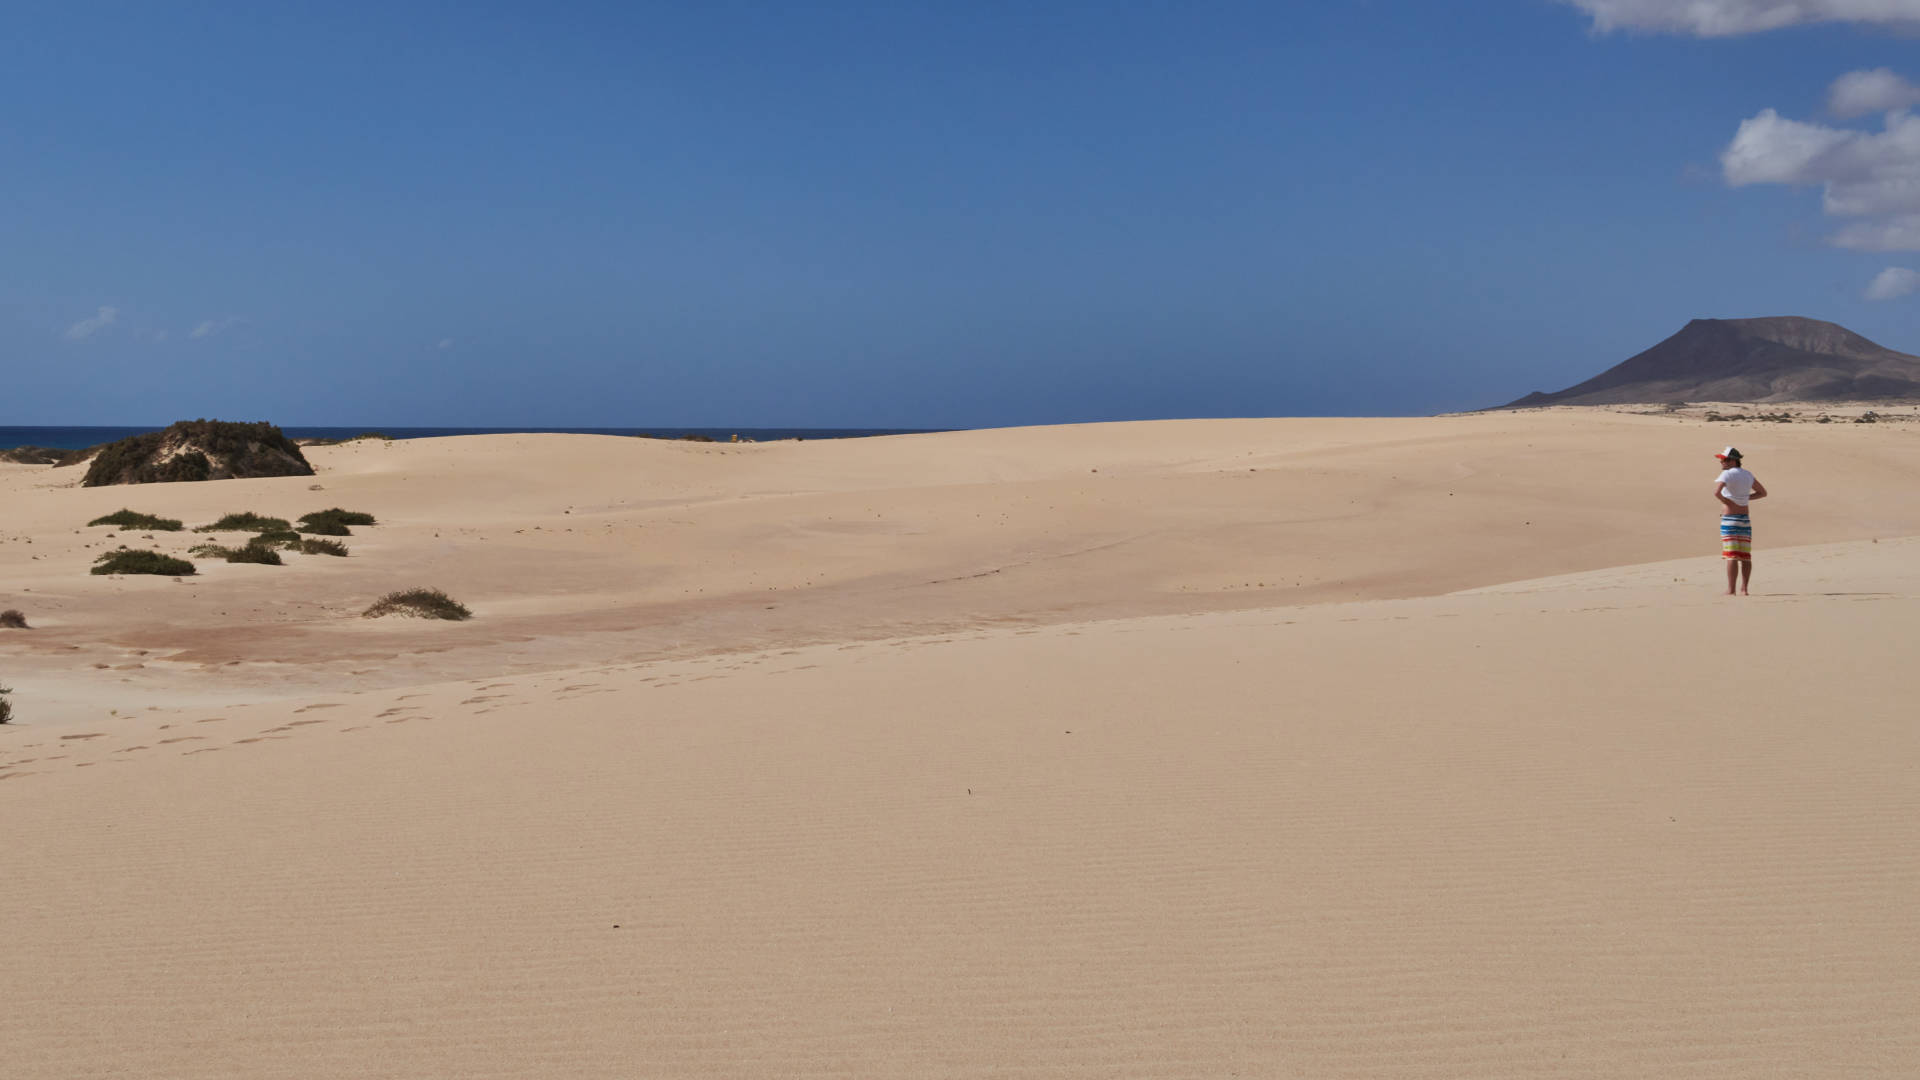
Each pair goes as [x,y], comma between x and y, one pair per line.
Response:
[1270,748]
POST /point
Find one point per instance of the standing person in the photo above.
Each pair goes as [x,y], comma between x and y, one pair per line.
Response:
[1735,488]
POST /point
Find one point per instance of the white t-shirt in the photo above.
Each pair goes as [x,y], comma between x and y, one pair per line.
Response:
[1739,485]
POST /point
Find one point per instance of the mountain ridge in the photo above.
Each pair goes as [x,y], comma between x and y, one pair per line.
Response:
[1760,360]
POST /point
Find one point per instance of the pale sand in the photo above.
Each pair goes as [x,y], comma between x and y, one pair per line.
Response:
[971,760]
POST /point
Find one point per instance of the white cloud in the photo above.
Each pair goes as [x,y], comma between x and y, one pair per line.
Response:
[1858,93]
[213,326]
[1893,283]
[1724,18]
[1871,176]
[445,344]
[86,328]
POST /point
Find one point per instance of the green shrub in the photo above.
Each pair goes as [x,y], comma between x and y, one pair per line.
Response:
[323,547]
[254,553]
[419,603]
[280,538]
[333,522]
[128,561]
[246,553]
[6,707]
[247,522]
[344,517]
[13,620]
[128,519]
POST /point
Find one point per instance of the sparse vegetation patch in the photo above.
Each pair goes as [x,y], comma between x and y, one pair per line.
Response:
[11,619]
[420,604]
[6,707]
[334,521]
[363,436]
[246,553]
[323,547]
[128,561]
[248,522]
[254,553]
[129,519]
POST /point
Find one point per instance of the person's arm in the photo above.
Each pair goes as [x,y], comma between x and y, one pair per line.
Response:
[1720,492]
[1759,490]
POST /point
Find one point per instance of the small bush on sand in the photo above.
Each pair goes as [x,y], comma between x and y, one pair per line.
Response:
[128,519]
[278,538]
[344,517]
[247,522]
[254,553]
[419,603]
[325,527]
[12,620]
[246,553]
[323,547]
[6,707]
[128,561]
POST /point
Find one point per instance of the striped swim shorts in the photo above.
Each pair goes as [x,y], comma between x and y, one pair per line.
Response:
[1736,536]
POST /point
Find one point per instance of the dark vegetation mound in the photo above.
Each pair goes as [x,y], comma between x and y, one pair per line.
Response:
[6,707]
[324,527]
[323,547]
[335,514]
[254,553]
[247,522]
[128,519]
[419,603]
[280,538]
[198,450]
[127,561]
[13,620]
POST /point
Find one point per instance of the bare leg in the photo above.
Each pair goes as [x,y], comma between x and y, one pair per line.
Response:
[1733,572]
[1746,574]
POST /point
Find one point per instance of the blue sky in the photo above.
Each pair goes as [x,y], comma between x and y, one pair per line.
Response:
[898,214]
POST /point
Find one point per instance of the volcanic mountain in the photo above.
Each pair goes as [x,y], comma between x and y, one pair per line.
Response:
[1760,360]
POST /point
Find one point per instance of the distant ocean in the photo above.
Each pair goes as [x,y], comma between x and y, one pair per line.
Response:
[75,438]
